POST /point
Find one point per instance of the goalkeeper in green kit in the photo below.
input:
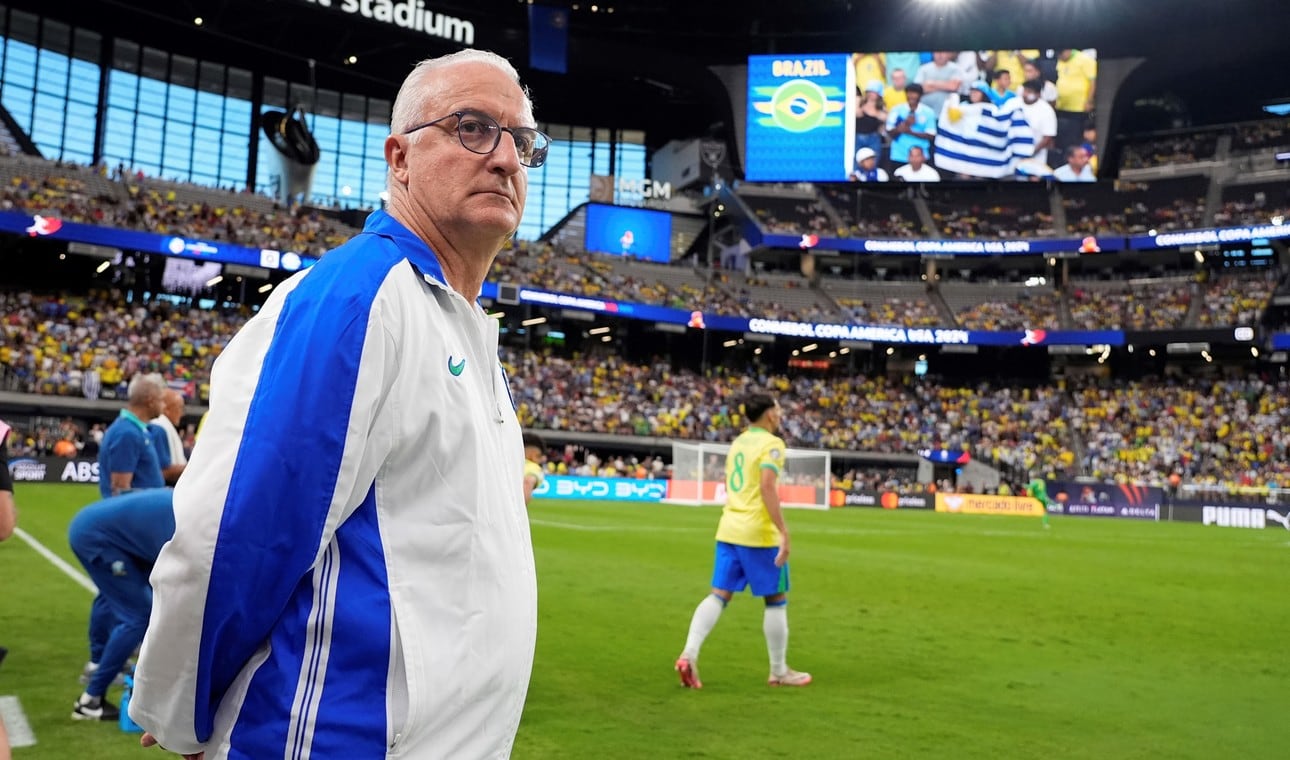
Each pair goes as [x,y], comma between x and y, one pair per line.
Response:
[1038,489]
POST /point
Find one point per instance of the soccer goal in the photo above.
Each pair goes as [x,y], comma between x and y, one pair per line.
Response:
[699,475]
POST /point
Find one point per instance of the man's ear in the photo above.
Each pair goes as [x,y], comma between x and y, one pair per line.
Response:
[396,157]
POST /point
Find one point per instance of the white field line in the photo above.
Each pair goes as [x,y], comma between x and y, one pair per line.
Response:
[81,579]
[15,722]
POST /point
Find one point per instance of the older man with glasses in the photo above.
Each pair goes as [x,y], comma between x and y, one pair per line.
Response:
[351,573]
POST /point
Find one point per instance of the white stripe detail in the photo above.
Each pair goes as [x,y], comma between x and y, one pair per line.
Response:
[15,722]
[81,579]
[313,667]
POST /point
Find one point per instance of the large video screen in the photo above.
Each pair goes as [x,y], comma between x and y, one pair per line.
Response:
[188,276]
[931,116]
[624,231]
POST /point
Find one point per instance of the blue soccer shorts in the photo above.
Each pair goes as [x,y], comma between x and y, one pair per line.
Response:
[739,567]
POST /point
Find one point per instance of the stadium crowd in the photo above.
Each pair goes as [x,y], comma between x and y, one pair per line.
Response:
[1231,432]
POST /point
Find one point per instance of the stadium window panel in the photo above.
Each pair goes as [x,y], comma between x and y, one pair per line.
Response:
[266,168]
[47,122]
[147,142]
[51,73]
[373,186]
[152,97]
[237,116]
[18,102]
[78,142]
[118,136]
[123,89]
[207,152]
[177,152]
[84,84]
[20,65]
[181,106]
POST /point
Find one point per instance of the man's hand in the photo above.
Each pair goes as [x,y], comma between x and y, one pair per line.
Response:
[782,556]
[148,740]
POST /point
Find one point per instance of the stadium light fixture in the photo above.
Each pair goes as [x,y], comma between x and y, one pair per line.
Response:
[534,321]
[843,351]
[1151,352]
[890,351]
[265,288]
[606,339]
[599,330]
[1254,351]
[810,347]
[497,315]
[217,279]
[198,21]
[833,354]
[796,352]
[730,344]
[103,267]
[757,351]
[1200,256]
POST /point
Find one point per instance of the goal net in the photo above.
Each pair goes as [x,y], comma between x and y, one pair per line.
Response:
[699,475]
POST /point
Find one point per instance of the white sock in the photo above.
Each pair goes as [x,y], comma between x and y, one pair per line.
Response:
[705,619]
[775,625]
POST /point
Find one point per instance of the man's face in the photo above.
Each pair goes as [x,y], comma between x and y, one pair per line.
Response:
[173,407]
[913,97]
[1064,55]
[1078,159]
[157,404]
[1029,95]
[1003,81]
[775,415]
[898,79]
[463,193]
[916,158]
[1031,71]
[941,57]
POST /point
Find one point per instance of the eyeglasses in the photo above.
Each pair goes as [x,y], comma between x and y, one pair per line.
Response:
[480,133]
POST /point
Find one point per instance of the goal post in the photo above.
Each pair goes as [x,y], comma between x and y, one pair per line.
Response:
[699,475]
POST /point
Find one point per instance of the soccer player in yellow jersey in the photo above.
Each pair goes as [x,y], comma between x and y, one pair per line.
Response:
[752,545]
[534,453]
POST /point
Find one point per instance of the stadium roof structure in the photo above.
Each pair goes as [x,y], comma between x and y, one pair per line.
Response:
[645,64]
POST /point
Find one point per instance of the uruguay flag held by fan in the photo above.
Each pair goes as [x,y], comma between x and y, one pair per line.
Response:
[982,138]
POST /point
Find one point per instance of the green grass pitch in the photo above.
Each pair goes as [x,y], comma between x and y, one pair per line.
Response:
[929,635]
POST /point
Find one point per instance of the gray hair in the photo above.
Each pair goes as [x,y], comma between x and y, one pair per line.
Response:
[419,87]
[145,386]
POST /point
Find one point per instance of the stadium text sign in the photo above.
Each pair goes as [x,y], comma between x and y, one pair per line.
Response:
[610,489]
[644,188]
[411,14]
[54,470]
[829,331]
[975,504]
[947,246]
[1212,237]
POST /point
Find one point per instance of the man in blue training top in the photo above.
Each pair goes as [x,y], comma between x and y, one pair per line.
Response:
[127,455]
[118,539]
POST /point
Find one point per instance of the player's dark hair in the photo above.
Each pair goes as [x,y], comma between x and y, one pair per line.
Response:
[914,87]
[756,405]
[533,440]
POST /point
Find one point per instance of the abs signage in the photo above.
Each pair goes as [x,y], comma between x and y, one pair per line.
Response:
[53,470]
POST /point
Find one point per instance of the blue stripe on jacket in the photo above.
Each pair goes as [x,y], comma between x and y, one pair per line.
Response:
[279,496]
